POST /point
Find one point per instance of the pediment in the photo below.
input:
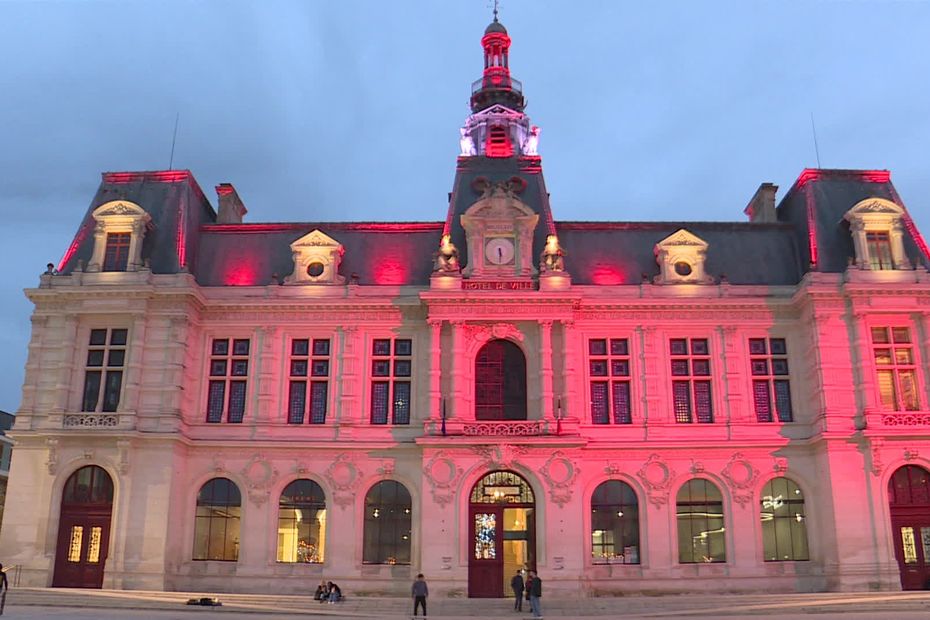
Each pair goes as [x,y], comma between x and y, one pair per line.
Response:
[497,111]
[680,238]
[874,206]
[315,239]
[122,208]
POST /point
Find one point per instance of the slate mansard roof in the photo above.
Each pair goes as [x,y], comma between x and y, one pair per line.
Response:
[184,236]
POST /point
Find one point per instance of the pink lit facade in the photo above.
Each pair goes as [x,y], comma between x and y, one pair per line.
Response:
[213,404]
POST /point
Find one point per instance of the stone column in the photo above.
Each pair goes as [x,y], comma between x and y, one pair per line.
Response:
[349,407]
[730,371]
[545,368]
[457,410]
[570,405]
[267,361]
[132,376]
[650,409]
[435,369]
[68,366]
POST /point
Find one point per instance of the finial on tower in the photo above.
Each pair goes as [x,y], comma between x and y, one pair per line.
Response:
[495,9]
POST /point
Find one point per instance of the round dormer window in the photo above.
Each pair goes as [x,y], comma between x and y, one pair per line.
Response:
[682,268]
[315,269]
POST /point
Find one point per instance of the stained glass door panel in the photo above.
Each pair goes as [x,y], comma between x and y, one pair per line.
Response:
[81,551]
[486,558]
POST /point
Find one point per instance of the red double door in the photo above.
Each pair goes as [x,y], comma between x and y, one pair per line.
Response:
[81,553]
[499,545]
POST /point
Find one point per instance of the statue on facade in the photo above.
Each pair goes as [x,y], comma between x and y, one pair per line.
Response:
[531,144]
[447,258]
[467,143]
[552,259]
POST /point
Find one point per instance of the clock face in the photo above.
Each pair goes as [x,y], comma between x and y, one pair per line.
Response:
[499,251]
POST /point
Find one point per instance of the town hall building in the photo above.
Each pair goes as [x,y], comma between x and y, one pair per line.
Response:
[217,404]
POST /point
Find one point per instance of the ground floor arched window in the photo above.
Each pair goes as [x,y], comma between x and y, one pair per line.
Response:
[387,524]
[614,524]
[217,521]
[784,523]
[700,523]
[302,523]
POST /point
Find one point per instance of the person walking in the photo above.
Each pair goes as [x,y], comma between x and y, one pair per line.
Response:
[534,592]
[516,584]
[419,591]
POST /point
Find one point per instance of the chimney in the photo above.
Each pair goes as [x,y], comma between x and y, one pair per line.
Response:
[761,209]
[231,208]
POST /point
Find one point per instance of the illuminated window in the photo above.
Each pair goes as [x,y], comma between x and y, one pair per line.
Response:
[116,255]
[614,524]
[103,372]
[309,365]
[388,522]
[609,372]
[691,394]
[700,523]
[302,523]
[229,370]
[879,248]
[895,368]
[391,372]
[784,522]
[216,522]
[498,142]
[877,229]
[771,391]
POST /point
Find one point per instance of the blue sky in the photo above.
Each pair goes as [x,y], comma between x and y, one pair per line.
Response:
[350,110]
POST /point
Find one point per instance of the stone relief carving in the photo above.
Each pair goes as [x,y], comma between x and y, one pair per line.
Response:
[741,475]
[501,456]
[122,465]
[90,420]
[344,477]
[910,454]
[52,462]
[219,466]
[260,476]
[477,335]
[560,473]
[657,478]
[442,474]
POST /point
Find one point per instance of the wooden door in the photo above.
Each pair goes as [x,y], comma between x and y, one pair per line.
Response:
[486,558]
[81,554]
[912,548]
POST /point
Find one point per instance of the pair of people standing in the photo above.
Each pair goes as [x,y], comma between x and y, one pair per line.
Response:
[533,589]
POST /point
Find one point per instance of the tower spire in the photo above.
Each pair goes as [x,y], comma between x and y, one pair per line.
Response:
[496,85]
[495,9]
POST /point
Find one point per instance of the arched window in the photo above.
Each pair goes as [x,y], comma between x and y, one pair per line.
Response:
[784,524]
[614,524]
[700,523]
[909,486]
[301,523]
[500,382]
[88,485]
[387,524]
[216,523]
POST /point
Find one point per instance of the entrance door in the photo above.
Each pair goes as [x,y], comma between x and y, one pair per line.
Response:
[500,382]
[502,533]
[84,529]
[909,493]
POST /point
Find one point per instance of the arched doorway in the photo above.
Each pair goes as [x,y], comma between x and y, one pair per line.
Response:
[909,495]
[84,529]
[500,382]
[502,533]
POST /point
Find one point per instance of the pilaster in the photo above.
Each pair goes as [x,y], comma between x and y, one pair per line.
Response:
[458,370]
[650,388]
[268,361]
[435,369]
[571,407]
[545,368]
[349,408]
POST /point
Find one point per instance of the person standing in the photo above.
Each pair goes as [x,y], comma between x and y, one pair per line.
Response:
[419,591]
[516,584]
[534,591]
[4,586]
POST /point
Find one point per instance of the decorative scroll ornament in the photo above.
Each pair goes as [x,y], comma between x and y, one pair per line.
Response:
[344,477]
[442,474]
[741,475]
[560,473]
[219,466]
[259,476]
[122,466]
[657,478]
[478,335]
[52,462]
[502,429]
[501,456]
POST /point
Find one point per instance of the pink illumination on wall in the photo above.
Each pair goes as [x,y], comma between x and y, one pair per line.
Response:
[606,274]
[383,227]
[240,271]
[182,238]
[78,239]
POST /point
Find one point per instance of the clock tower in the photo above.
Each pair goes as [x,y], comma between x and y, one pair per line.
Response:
[499,216]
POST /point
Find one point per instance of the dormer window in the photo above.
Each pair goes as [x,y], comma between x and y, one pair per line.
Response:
[878,235]
[118,236]
[681,258]
[316,260]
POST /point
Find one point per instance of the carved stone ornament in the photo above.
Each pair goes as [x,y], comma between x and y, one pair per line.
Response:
[122,465]
[442,474]
[681,258]
[219,467]
[560,473]
[741,475]
[90,420]
[612,469]
[344,477]
[501,456]
[259,476]
[119,208]
[52,462]
[477,335]
[317,257]
[910,454]
[875,452]
[657,478]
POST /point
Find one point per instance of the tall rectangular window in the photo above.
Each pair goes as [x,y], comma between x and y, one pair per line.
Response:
[691,393]
[229,370]
[771,392]
[391,372]
[309,383]
[116,254]
[609,373]
[879,250]
[896,369]
[103,374]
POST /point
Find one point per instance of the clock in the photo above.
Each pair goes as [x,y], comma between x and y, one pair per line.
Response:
[499,250]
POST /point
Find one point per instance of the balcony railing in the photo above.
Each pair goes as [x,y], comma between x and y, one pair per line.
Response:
[497,82]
